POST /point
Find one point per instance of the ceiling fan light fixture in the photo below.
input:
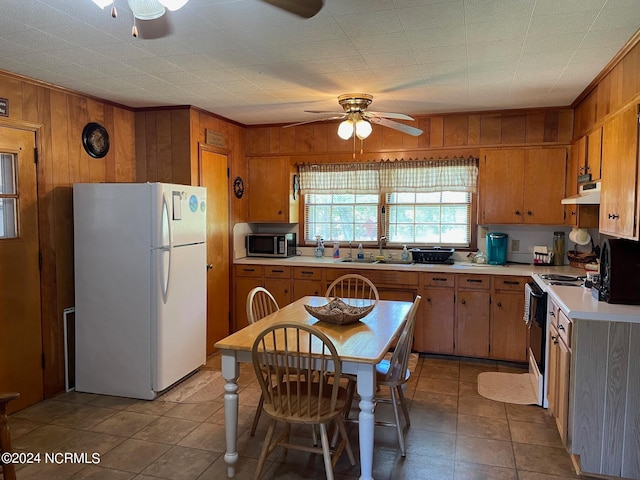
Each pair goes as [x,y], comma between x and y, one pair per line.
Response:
[103,3]
[146,9]
[173,5]
[363,129]
[346,129]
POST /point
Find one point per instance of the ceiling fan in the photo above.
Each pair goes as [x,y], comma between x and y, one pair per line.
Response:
[358,120]
[148,10]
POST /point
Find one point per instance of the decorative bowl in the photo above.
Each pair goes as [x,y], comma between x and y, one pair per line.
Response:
[338,312]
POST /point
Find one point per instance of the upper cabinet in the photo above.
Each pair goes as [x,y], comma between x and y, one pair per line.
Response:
[583,216]
[270,190]
[593,160]
[522,186]
[619,197]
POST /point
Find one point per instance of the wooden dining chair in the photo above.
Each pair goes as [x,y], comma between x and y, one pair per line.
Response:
[354,289]
[260,303]
[393,373]
[8,470]
[285,365]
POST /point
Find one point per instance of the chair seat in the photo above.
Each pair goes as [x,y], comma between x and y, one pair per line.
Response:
[306,403]
[382,370]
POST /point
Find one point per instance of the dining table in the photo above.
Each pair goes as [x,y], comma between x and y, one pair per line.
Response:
[361,345]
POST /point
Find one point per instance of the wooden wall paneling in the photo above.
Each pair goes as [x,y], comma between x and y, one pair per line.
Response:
[615,94]
[535,127]
[490,129]
[391,139]
[437,132]
[373,142]
[124,146]
[320,138]
[335,143]
[631,453]
[97,166]
[164,148]
[303,137]
[455,130]
[409,142]
[473,137]
[603,98]
[424,140]
[30,102]
[111,157]
[565,125]
[616,398]
[141,147]
[274,139]
[551,122]
[11,89]
[631,74]
[76,120]
[287,139]
[585,115]
[258,141]
[180,141]
[513,129]
[151,153]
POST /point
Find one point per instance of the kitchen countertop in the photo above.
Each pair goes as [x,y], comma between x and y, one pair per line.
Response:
[458,267]
[578,303]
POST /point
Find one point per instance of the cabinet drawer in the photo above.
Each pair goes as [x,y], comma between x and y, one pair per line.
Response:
[305,273]
[552,310]
[248,271]
[476,282]
[509,283]
[378,277]
[564,328]
[438,279]
[277,272]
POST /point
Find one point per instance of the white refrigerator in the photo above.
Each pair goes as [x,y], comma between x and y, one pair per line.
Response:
[140,286]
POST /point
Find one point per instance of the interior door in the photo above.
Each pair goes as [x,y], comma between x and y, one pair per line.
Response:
[213,168]
[20,322]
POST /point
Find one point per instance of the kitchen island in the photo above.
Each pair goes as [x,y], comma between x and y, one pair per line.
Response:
[594,380]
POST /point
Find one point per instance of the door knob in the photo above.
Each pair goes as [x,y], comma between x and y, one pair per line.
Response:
[209,266]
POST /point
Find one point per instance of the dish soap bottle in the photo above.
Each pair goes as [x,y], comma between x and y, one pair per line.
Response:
[319,250]
[360,252]
[336,249]
[405,254]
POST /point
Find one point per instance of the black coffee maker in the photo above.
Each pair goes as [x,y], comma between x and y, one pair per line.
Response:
[619,272]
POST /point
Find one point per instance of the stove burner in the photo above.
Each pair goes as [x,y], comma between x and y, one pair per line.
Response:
[561,278]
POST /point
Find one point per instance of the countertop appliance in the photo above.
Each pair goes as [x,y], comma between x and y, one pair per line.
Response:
[497,248]
[140,286]
[432,255]
[271,244]
[620,271]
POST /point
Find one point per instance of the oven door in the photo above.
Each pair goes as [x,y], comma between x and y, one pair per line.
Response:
[536,318]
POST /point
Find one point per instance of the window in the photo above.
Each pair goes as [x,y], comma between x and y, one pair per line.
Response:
[415,203]
[8,196]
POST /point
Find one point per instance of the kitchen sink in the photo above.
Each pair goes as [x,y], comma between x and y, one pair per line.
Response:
[358,260]
[395,262]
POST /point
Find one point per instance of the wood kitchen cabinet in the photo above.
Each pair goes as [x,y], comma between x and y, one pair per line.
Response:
[583,216]
[559,370]
[434,331]
[619,206]
[593,163]
[278,281]
[247,277]
[270,191]
[307,281]
[522,186]
[473,298]
[508,331]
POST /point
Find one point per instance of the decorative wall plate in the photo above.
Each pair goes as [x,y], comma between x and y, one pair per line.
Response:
[238,187]
[95,140]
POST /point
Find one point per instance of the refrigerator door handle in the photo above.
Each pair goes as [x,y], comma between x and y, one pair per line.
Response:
[165,257]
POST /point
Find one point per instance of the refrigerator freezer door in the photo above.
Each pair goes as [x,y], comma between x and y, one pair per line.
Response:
[182,216]
[179,333]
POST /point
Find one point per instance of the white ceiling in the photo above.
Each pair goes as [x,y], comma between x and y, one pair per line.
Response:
[253,63]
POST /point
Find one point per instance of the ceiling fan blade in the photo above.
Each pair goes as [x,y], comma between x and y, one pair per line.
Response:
[326,119]
[326,112]
[396,126]
[301,8]
[397,116]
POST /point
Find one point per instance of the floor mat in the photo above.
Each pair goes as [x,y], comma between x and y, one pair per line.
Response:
[507,387]
[202,386]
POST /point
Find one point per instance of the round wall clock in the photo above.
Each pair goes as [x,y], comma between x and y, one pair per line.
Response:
[95,140]
[238,187]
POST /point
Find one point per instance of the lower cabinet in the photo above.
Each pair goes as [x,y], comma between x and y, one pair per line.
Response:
[436,318]
[473,297]
[558,381]
[247,277]
[307,281]
[508,331]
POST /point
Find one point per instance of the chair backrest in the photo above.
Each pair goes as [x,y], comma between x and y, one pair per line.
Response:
[8,471]
[400,359]
[290,361]
[260,303]
[354,289]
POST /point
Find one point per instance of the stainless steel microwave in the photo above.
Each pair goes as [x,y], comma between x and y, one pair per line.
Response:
[271,245]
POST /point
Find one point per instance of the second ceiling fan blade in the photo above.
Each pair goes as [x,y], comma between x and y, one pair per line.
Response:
[336,117]
[397,116]
[408,129]
[301,8]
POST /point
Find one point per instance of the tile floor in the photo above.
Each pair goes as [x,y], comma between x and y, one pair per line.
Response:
[455,434]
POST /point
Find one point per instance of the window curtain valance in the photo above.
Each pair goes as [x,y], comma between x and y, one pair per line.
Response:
[458,175]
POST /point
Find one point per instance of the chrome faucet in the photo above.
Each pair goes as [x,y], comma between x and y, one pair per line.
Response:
[381,242]
[350,254]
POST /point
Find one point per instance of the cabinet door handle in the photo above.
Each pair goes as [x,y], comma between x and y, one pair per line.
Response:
[499,304]
[439,279]
[429,300]
[552,313]
[473,280]
[529,212]
[560,327]
[463,302]
[279,212]
[517,212]
[277,271]
[306,272]
[511,282]
[248,269]
[286,291]
[613,216]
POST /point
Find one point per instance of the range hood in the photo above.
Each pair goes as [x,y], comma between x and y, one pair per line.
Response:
[589,194]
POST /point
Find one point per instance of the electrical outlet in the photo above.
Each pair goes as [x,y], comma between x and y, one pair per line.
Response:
[515,245]
[483,232]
